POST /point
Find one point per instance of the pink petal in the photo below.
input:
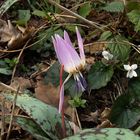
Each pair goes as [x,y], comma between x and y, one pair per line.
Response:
[80,44]
[67,54]
[67,38]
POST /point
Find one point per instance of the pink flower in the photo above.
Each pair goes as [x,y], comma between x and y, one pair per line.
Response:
[73,62]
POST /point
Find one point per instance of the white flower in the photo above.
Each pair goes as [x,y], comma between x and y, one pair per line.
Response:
[131,70]
[107,55]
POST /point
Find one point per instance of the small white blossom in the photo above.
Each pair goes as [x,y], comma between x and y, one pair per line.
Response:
[131,70]
[107,55]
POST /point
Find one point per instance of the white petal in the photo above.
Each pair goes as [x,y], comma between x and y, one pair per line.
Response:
[131,74]
[107,55]
[134,66]
[134,74]
[127,67]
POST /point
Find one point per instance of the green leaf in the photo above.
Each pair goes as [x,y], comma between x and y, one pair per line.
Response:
[24,16]
[30,126]
[85,9]
[132,5]
[134,17]
[119,50]
[6,5]
[46,116]
[116,6]
[39,13]
[134,87]
[5,71]
[105,134]
[105,35]
[99,75]
[125,111]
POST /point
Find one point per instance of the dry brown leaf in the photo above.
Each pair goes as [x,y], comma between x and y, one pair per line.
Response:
[94,47]
[21,82]
[50,95]
[15,37]
[105,124]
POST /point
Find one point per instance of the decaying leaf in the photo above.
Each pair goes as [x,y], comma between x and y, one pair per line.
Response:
[14,37]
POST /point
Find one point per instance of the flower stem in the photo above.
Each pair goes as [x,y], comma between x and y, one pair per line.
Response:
[62,112]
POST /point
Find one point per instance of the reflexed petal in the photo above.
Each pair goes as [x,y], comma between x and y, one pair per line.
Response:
[64,54]
[56,50]
[80,44]
[67,38]
[134,66]
[127,67]
[68,55]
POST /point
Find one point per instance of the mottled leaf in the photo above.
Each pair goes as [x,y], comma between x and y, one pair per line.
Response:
[99,75]
[105,134]
[32,127]
[46,116]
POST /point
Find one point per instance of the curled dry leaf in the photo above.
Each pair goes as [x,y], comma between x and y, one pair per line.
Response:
[14,37]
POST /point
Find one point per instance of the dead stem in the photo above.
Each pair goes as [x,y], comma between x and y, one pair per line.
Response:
[12,114]
[94,24]
[2,118]
[8,87]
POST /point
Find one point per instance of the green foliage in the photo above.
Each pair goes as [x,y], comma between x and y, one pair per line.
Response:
[99,75]
[31,126]
[115,6]
[104,134]
[77,102]
[39,13]
[119,49]
[85,9]
[133,5]
[7,65]
[106,35]
[46,116]
[6,5]
[125,112]
[24,17]
[134,17]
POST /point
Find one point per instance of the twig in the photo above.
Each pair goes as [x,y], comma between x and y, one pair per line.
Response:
[94,24]
[8,87]
[2,118]
[12,114]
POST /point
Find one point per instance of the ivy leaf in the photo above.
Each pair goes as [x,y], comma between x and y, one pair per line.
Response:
[105,134]
[115,6]
[99,75]
[125,112]
[119,50]
[46,116]
[134,17]
[85,9]
[105,35]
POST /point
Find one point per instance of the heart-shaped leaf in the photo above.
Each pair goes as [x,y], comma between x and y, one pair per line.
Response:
[125,111]
[99,75]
